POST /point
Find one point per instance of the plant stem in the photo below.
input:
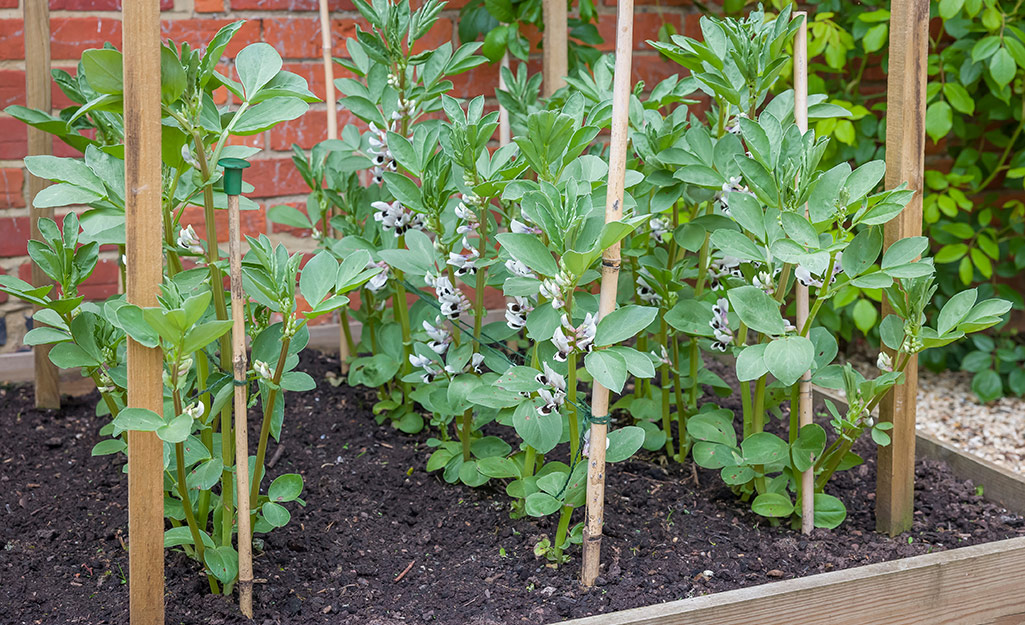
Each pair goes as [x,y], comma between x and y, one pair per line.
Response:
[666,420]
[681,410]
[466,434]
[268,415]
[560,534]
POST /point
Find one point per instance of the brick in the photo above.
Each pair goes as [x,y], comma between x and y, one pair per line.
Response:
[313,72]
[439,34]
[290,5]
[98,5]
[670,3]
[646,26]
[481,80]
[12,87]
[70,36]
[209,6]
[199,32]
[106,273]
[13,139]
[252,222]
[299,37]
[8,4]
[653,69]
[275,176]
[12,39]
[282,229]
[308,130]
[16,234]
[12,181]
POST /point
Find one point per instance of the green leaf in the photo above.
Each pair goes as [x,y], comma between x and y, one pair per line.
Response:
[176,430]
[541,504]
[542,432]
[109,446]
[713,455]
[736,475]
[529,250]
[502,468]
[764,448]
[138,419]
[987,385]
[955,310]
[787,358]
[810,443]
[268,114]
[104,70]
[939,119]
[205,333]
[751,362]
[758,310]
[1001,67]
[772,505]
[959,98]
[714,427]
[172,77]
[607,368]
[865,315]
[623,323]
[286,487]
[222,563]
[256,65]
[318,277]
[490,447]
[829,511]
[624,443]
[275,514]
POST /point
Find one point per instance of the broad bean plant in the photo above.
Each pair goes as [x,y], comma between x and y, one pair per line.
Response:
[191,323]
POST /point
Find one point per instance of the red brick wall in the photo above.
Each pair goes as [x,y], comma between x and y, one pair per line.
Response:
[293,28]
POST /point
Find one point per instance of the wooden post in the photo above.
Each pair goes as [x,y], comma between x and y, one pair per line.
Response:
[804,391]
[609,280]
[504,131]
[37,96]
[144,249]
[905,162]
[555,65]
[233,187]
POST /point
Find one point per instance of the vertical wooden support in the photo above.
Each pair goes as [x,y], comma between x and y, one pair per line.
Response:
[905,162]
[555,65]
[504,131]
[329,71]
[37,96]
[621,88]
[238,356]
[804,391]
[141,28]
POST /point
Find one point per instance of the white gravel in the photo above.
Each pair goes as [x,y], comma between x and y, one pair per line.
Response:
[950,411]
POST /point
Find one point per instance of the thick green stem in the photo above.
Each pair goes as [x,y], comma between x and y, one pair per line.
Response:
[343,316]
[681,409]
[571,404]
[207,433]
[666,418]
[560,534]
[466,434]
[268,415]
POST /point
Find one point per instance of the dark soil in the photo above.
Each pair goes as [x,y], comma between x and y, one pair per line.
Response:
[373,510]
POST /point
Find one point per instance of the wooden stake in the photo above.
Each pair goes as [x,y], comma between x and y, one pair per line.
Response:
[37,96]
[238,347]
[609,281]
[804,416]
[344,329]
[504,131]
[144,250]
[905,162]
[555,65]
[232,187]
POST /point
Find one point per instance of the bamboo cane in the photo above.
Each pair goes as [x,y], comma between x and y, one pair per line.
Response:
[344,331]
[504,131]
[609,280]
[143,248]
[804,391]
[232,187]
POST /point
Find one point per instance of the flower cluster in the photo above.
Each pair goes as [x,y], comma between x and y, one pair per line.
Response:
[555,289]
[394,216]
[380,279]
[807,278]
[431,370]
[648,295]
[439,335]
[554,395]
[516,312]
[721,325]
[464,263]
[451,299]
[569,339]
[659,229]
[722,267]
[379,152]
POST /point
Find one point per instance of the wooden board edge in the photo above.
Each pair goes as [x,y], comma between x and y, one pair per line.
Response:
[846,582]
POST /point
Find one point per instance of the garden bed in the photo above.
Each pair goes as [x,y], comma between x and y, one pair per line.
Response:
[374,515]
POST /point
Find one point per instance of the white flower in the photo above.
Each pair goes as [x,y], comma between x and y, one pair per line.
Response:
[569,339]
[722,267]
[380,279]
[720,325]
[884,362]
[187,239]
[394,216]
[552,291]
[464,263]
[551,378]
[195,410]
[659,229]
[553,400]
[519,227]
[439,335]
[475,363]
[648,295]
[733,185]
[517,268]
[420,362]
[734,126]
[764,282]
[807,278]
[263,370]
[451,299]
[516,312]
[585,452]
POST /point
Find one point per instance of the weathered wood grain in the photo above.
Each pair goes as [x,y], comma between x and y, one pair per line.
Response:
[141,28]
[968,586]
[905,162]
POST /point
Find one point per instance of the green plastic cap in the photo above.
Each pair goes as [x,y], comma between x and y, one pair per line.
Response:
[233,174]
